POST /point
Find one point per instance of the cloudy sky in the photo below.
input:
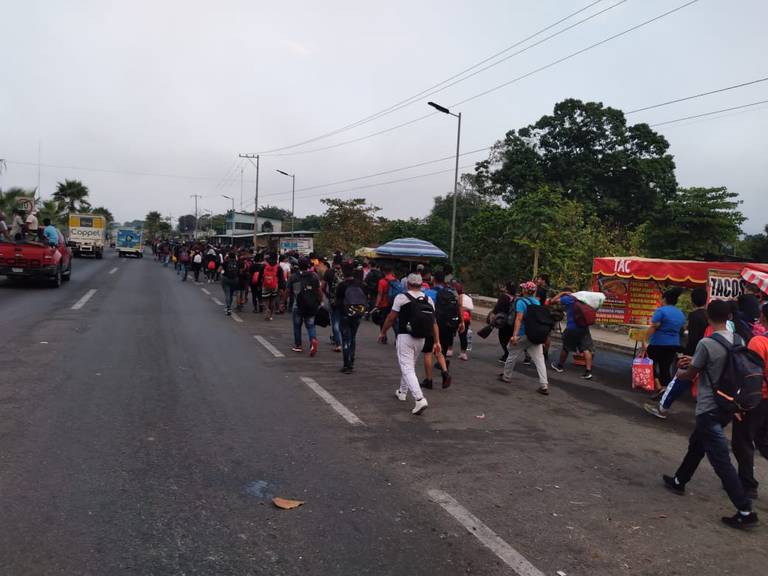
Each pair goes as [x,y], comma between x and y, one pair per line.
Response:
[149,102]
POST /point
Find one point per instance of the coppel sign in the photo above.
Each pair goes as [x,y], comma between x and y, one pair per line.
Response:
[724,285]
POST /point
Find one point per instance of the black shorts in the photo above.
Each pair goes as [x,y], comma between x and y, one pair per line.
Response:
[429,344]
[577,340]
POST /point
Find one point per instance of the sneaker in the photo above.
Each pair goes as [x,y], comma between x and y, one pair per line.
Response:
[426,384]
[543,390]
[400,395]
[587,375]
[298,349]
[313,347]
[449,353]
[527,362]
[557,367]
[654,410]
[672,484]
[337,348]
[503,379]
[447,379]
[420,406]
[463,356]
[502,361]
[346,370]
[228,312]
[741,521]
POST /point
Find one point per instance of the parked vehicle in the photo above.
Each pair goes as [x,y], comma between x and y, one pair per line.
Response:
[33,259]
[87,234]
[129,243]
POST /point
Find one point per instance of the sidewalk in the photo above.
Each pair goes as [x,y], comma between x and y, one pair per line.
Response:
[603,338]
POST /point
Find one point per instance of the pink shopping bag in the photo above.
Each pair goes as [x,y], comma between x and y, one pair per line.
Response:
[642,373]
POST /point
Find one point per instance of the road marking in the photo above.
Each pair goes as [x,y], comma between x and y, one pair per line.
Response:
[80,303]
[488,537]
[236,318]
[217,301]
[205,291]
[343,411]
[113,270]
[268,345]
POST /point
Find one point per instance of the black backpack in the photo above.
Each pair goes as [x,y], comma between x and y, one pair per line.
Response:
[740,386]
[355,301]
[372,280]
[447,308]
[418,318]
[306,300]
[538,322]
[231,269]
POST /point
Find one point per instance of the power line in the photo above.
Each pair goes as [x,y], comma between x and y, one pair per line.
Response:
[704,114]
[699,95]
[445,83]
[504,84]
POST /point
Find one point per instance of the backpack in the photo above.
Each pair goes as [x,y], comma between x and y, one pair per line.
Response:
[538,322]
[255,276]
[269,280]
[231,270]
[184,257]
[394,287]
[372,280]
[198,258]
[338,278]
[211,265]
[306,300]
[447,308]
[740,386]
[355,301]
[583,314]
[420,318]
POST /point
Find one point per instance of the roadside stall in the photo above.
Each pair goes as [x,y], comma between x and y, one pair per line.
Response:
[409,250]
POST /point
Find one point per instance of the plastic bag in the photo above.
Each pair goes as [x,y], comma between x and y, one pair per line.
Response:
[591,299]
[642,373]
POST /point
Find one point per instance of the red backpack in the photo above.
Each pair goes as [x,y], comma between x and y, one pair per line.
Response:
[269,280]
[583,314]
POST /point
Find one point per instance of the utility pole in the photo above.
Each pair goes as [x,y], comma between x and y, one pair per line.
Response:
[250,158]
[241,188]
[195,196]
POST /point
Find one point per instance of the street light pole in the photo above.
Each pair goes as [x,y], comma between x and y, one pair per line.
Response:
[195,196]
[456,173]
[232,235]
[293,198]
[250,158]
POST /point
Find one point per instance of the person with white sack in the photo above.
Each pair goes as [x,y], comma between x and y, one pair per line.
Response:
[580,308]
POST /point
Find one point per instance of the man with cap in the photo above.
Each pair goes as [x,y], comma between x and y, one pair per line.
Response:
[414,312]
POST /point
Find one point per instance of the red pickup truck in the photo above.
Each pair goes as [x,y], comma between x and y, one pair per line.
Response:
[37,260]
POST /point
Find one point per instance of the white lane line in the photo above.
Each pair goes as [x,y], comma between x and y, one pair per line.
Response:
[236,318]
[205,291]
[113,270]
[343,411]
[80,303]
[488,537]
[268,345]
[217,301]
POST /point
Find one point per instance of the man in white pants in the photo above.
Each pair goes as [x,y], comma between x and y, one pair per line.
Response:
[415,314]
[519,343]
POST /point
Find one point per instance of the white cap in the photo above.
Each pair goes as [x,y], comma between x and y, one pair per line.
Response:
[414,279]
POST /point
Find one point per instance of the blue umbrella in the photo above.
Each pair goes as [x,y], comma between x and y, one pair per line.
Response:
[410,248]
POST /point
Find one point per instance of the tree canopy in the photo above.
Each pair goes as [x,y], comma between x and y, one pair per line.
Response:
[72,196]
[268,211]
[347,225]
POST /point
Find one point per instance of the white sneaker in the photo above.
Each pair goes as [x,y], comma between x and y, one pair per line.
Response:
[402,396]
[449,353]
[420,406]
[463,356]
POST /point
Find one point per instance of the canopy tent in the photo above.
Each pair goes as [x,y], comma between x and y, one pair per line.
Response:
[410,248]
[756,277]
[684,272]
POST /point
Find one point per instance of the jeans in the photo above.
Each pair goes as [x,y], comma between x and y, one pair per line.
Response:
[708,438]
[308,321]
[674,390]
[229,293]
[185,270]
[749,433]
[349,328]
[336,315]
[463,336]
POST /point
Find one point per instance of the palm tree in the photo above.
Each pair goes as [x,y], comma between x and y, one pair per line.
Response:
[101,211]
[72,196]
[51,209]
[8,199]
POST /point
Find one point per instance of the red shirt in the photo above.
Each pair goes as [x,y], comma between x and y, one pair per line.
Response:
[383,291]
[759,344]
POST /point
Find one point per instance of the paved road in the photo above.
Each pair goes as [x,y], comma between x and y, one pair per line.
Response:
[146,433]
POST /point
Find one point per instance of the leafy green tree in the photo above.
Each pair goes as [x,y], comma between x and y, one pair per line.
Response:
[275,212]
[621,173]
[8,198]
[186,224]
[101,211]
[152,223]
[164,229]
[754,247]
[72,196]
[51,209]
[347,225]
[697,224]
[310,222]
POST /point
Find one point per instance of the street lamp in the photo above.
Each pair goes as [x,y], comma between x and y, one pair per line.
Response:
[232,236]
[445,110]
[293,197]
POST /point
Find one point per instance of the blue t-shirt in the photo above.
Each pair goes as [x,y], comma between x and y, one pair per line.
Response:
[520,306]
[671,321]
[570,321]
[430,293]
[51,234]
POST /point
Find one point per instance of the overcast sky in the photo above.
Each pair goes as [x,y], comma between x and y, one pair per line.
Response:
[108,90]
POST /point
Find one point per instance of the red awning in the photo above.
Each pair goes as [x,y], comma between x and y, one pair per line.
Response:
[672,271]
[756,277]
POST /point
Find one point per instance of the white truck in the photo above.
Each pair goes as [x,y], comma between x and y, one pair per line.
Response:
[87,234]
